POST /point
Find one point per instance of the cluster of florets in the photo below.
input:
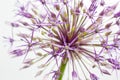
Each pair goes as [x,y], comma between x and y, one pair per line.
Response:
[69,34]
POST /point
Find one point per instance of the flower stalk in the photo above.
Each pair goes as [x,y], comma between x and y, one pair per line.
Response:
[63,68]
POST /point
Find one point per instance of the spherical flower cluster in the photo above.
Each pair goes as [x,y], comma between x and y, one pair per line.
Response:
[68,38]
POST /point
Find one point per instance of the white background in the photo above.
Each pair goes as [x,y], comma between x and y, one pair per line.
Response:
[9,67]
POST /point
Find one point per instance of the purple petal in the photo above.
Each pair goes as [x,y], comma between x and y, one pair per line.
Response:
[116,67]
[102,3]
[56,75]
[105,72]
[93,76]
[108,10]
[26,14]
[42,1]
[74,74]
[17,52]
[11,40]
[93,6]
[117,15]
[64,1]
[14,24]
[82,29]
[28,61]
[22,8]
[25,66]
[113,61]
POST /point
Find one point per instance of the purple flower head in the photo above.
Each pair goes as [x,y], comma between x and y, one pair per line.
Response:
[69,35]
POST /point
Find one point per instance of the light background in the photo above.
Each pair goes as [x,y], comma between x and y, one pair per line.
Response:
[9,67]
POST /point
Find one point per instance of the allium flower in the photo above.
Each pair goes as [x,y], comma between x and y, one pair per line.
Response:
[68,37]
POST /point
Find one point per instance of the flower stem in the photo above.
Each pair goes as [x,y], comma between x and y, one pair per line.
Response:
[62,68]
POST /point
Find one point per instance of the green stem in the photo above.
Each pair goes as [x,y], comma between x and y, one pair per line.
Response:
[62,68]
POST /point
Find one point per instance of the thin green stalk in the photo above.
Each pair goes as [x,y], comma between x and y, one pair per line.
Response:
[62,68]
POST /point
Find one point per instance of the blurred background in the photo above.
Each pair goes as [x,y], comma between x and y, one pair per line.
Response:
[10,67]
